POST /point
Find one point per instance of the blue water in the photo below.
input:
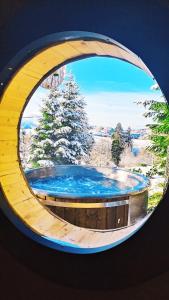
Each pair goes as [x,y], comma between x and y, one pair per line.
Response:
[74,186]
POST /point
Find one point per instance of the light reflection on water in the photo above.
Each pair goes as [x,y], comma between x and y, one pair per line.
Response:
[84,186]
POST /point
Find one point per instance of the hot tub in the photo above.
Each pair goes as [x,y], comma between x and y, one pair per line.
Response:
[96,198]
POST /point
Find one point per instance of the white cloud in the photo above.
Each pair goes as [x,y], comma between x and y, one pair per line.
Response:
[104,108]
[108,108]
[33,107]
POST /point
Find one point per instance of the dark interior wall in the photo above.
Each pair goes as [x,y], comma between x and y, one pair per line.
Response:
[139,25]
[30,271]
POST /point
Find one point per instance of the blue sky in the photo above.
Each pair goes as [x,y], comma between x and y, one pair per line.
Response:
[110,87]
[100,74]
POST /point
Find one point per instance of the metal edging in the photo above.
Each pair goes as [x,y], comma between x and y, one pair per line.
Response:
[84,205]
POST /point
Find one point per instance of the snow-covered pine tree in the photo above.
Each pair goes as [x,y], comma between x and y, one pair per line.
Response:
[44,143]
[79,137]
[24,147]
[128,139]
[118,144]
[121,141]
[63,134]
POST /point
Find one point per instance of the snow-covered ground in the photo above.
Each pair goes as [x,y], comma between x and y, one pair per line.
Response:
[156,185]
[140,143]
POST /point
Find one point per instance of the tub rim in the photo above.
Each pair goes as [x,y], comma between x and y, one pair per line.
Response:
[44,193]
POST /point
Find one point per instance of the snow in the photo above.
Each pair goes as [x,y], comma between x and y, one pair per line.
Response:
[63,131]
[47,141]
[46,163]
[155,86]
[62,141]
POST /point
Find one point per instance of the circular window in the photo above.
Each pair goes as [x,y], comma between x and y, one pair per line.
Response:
[63,222]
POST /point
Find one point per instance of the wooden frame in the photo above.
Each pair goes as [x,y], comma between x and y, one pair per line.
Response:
[19,80]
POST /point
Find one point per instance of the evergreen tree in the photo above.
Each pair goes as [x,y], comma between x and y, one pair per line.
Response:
[75,118]
[24,148]
[118,144]
[44,143]
[128,139]
[63,134]
[120,141]
[119,129]
[159,135]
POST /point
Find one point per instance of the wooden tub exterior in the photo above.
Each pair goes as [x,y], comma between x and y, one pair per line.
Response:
[93,213]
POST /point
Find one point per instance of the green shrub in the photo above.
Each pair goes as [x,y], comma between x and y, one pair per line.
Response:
[161,185]
[138,170]
[154,171]
[35,165]
[143,165]
[154,200]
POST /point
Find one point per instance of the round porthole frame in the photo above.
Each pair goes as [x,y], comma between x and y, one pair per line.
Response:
[66,47]
[29,68]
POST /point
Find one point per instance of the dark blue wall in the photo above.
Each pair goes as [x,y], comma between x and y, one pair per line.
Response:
[143,27]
